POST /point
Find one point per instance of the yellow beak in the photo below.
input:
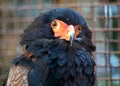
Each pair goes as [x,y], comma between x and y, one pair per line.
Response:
[71,34]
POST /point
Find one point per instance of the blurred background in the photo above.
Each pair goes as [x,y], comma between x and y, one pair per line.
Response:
[102,16]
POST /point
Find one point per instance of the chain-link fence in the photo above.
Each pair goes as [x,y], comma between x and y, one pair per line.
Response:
[102,16]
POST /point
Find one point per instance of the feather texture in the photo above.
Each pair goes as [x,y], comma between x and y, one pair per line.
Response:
[67,63]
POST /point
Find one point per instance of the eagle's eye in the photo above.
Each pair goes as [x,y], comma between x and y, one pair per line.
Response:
[54,23]
[79,27]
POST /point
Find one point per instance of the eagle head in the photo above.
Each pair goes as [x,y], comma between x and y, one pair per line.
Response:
[60,23]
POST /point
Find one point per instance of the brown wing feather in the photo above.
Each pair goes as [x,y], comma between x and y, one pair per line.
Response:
[18,76]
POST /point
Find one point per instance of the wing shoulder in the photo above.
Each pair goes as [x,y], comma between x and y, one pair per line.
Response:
[18,76]
[18,73]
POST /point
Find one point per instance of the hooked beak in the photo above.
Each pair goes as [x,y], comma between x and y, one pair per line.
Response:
[71,34]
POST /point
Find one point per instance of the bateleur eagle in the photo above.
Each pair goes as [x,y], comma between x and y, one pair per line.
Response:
[58,52]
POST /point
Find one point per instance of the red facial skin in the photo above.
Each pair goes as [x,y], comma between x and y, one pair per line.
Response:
[63,30]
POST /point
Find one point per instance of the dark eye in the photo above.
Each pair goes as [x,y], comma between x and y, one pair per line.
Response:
[54,23]
[79,27]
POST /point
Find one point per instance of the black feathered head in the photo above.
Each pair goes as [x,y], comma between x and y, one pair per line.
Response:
[43,25]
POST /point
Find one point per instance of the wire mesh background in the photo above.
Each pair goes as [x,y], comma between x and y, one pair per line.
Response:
[102,16]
